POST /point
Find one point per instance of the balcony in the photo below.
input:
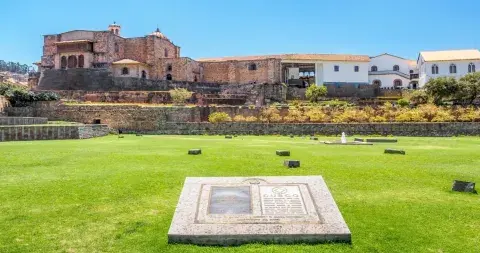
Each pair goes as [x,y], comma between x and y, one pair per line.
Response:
[389,72]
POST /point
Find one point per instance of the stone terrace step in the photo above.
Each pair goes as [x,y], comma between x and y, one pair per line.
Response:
[10,121]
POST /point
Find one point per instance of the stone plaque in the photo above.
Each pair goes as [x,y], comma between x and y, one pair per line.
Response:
[230,200]
[237,210]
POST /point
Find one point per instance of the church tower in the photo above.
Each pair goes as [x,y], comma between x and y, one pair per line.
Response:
[114,28]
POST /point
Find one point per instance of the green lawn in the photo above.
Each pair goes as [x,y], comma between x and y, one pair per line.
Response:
[119,195]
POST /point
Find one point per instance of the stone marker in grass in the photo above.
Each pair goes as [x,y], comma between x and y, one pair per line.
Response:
[120,136]
[358,139]
[194,151]
[283,152]
[227,211]
[314,138]
[463,186]
[394,151]
[380,140]
[291,136]
[291,163]
[228,137]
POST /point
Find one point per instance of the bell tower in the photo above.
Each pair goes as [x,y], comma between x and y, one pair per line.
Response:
[114,28]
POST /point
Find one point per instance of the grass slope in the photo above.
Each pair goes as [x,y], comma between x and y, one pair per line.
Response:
[119,195]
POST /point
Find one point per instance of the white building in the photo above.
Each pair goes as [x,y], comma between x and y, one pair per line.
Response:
[390,71]
[452,63]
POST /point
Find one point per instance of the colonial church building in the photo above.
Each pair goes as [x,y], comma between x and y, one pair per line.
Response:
[155,56]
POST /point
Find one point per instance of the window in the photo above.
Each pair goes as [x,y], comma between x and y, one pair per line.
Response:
[453,69]
[116,47]
[169,77]
[434,69]
[356,68]
[336,68]
[397,83]
[252,66]
[97,121]
[72,62]
[165,52]
[144,74]
[411,71]
[63,62]
[169,67]
[396,68]
[195,79]
[125,71]
[81,61]
[471,68]
[374,69]
[377,83]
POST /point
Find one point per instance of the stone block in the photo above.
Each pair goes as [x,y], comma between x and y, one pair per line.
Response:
[291,163]
[380,140]
[226,211]
[394,151]
[283,152]
[228,137]
[194,151]
[314,138]
[463,186]
[358,139]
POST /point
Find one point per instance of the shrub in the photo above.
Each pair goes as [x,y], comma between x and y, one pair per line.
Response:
[443,116]
[180,95]
[239,118]
[317,115]
[270,114]
[335,103]
[314,92]
[441,88]
[378,119]
[410,116]
[403,102]
[419,97]
[295,116]
[251,119]
[218,117]
[351,115]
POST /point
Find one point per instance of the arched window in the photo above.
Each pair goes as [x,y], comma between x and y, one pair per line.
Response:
[116,47]
[411,71]
[471,68]
[374,68]
[72,62]
[396,68]
[434,69]
[63,62]
[377,83]
[81,61]
[195,79]
[144,74]
[252,66]
[169,77]
[165,52]
[125,71]
[397,83]
[356,68]
[453,69]
[169,67]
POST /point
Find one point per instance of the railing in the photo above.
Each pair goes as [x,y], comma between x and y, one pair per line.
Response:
[387,72]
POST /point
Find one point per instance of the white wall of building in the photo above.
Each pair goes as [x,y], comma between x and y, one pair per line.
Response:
[346,73]
[386,62]
[388,80]
[134,70]
[425,70]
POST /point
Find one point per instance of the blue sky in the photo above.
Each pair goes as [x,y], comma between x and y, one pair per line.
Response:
[211,28]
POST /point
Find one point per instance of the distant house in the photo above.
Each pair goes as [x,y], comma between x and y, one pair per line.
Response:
[452,63]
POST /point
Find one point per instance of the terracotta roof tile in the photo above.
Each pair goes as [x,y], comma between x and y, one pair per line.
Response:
[451,55]
[306,57]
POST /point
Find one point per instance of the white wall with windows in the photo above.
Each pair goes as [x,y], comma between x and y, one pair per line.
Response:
[455,69]
[386,62]
[342,72]
[130,70]
[389,81]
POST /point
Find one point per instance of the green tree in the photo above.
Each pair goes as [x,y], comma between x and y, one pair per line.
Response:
[314,92]
[441,88]
[419,97]
[469,88]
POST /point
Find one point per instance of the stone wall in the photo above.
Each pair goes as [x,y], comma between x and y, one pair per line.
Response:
[350,90]
[52,132]
[238,72]
[151,97]
[396,129]
[6,121]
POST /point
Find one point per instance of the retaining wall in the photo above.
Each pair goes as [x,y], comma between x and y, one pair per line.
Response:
[22,121]
[52,132]
[396,129]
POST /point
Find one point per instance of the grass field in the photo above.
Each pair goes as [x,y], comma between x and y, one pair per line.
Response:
[119,195]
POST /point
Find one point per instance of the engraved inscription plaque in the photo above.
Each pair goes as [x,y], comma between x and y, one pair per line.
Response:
[282,200]
[230,200]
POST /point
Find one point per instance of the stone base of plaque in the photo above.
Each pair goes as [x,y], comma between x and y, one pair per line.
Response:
[237,210]
[314,138]
[194,151]
[228,137]
[394,151]
[283,152]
